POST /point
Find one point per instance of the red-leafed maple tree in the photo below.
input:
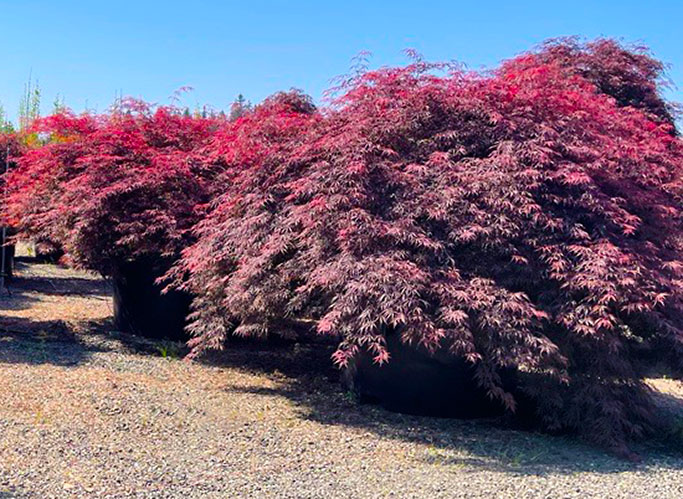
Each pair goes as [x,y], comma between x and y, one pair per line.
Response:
[112,188]
[528,218]
[11,148]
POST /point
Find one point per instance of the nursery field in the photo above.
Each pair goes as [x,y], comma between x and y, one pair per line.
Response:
[87,411]
[508,242]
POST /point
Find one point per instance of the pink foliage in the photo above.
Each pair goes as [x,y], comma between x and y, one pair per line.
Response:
[111,188]
[529,218]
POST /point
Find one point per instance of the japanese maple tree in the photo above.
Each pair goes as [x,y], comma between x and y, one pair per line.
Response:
[12,147]
[525,218]
[114,187]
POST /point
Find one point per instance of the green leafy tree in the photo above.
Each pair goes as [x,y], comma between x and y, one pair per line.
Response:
[29,107]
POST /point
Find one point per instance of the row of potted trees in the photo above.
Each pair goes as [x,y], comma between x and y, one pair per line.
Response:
[476,243]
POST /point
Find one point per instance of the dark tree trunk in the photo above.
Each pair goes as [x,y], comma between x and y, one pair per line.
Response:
[8,253]
[141,308]
[417,382]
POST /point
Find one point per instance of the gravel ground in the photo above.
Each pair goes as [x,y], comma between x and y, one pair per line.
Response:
[86,411]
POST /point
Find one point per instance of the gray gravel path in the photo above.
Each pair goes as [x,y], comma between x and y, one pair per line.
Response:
[87,412]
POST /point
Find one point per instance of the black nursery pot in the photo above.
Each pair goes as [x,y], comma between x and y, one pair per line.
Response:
[419,383]
[141,308]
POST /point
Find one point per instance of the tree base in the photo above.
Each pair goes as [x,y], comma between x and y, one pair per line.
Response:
[8,264]
[141,308]
[419,383]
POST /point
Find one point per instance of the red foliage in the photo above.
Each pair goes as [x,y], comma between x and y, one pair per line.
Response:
[11,148]
[114,187]
[526,219]
[632,77]
[529,218]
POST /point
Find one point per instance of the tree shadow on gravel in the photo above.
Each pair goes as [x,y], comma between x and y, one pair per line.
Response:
[50,279]
[61,286]
[313,385]
[15,298]
[28,284]
[31,340]
[303,373]
[25,341]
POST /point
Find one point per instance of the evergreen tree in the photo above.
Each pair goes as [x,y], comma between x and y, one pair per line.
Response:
[239,107]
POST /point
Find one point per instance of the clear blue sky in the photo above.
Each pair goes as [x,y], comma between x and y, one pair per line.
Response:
[89,51]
